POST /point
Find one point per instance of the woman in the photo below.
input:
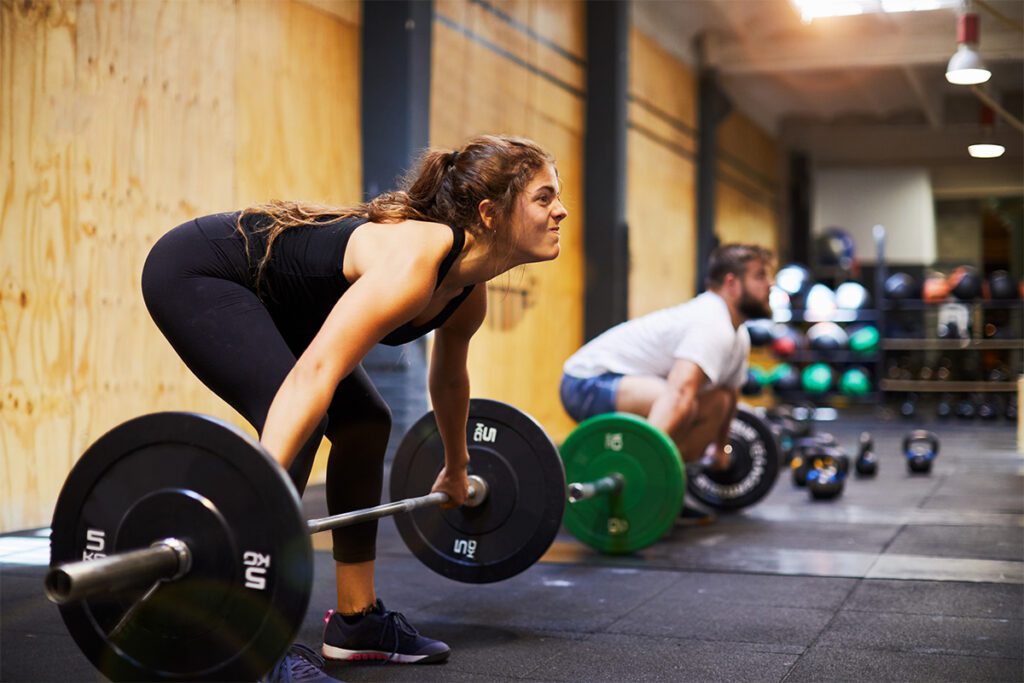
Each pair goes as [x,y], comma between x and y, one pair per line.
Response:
[275,306]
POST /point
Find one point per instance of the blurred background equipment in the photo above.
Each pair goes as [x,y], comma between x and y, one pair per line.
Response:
[835,247]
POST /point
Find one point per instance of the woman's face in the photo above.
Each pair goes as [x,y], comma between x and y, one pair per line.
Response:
[535,219]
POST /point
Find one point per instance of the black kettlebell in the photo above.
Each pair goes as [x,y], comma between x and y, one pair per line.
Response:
[944,408]
[989,408]
[920,447]
[828,472]
[804,452]
[965,409]
[1011,409]
[867,462]
[909,406]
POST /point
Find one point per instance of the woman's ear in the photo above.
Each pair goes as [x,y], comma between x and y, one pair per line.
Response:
[486,208]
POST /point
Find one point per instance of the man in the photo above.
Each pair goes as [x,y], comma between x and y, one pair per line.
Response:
[680,367]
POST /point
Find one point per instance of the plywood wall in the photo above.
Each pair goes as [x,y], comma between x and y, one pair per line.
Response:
[748,191]
[37,67]
[661,199]
[661,178]
[516,67]
[119,121]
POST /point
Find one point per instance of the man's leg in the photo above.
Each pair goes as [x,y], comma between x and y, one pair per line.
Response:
[713,408]
[637,393]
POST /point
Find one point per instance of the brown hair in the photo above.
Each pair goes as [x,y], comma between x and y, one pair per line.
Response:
[733,258]
[443,187]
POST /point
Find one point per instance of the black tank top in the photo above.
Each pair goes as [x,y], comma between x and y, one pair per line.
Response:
[304,277]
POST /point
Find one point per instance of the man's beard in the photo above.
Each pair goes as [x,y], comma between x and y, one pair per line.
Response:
[752,308]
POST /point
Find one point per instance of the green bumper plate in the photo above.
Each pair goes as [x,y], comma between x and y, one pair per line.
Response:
[652,495]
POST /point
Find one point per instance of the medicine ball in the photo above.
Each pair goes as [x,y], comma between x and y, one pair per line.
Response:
[835,247]
[901,286]
[965,283]
[1002,286]
[855,382]
[817,378]
[864,339]
[827,337]
[852,296]
[936,289]
[760,332]
[785,340]
[794,279]
[820,303]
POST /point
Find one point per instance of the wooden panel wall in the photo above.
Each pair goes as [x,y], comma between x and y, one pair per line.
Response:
[749,199]
[37,68]
[662,179]
[516,67]
[117,122]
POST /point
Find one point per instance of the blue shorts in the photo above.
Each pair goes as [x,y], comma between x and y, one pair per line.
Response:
[589,396]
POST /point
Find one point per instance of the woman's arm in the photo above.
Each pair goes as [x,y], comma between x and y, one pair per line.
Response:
[384,297]
[449,390]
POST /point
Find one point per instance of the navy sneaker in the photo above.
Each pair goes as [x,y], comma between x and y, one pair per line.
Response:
[300,665]
[379,635]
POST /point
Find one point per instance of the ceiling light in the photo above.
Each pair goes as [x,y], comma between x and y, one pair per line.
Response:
[966,66]
[817,9]
[986,150]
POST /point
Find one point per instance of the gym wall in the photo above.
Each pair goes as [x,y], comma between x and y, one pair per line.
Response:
[661,197]
[517,68]
[119,121]
[748,206]
[857,199]
[662,152]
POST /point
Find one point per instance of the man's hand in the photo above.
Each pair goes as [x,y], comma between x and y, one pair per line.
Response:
[455,482]
[720,459]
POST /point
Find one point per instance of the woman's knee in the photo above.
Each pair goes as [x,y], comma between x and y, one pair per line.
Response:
[370,428]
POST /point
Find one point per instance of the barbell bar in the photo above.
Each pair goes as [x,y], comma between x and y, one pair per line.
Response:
[578,491]
[171,558]
[165,560]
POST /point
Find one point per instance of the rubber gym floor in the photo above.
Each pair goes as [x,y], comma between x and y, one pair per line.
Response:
[908,578]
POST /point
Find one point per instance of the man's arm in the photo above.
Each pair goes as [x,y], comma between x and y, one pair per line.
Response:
[676,408]
[723,432]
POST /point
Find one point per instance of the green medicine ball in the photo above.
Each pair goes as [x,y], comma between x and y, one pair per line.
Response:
[761,376]
[855,382]
[817,378]
[865,339]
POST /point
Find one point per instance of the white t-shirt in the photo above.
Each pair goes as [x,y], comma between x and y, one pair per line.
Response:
[700,331]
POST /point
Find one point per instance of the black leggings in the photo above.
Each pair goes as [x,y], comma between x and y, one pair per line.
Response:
[192,285]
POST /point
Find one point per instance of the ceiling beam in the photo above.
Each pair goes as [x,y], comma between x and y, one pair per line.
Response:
[838,143]
[823,52]
[931,105]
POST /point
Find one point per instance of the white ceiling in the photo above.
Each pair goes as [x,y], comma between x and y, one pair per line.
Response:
[857,89]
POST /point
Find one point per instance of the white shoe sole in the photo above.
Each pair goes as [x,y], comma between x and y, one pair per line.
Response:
[340,654]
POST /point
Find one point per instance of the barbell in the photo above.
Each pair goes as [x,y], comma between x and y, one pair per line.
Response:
[179,551]
[637,480]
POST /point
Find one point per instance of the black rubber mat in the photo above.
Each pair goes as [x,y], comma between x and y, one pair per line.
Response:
[903,578]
